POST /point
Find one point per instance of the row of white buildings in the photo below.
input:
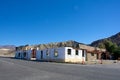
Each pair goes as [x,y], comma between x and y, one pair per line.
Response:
[61,54]
[79,54]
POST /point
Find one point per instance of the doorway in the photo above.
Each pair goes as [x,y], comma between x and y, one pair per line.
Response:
[41,55]
[33,53]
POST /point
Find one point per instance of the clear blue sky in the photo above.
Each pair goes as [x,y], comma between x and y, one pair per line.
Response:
[43,21]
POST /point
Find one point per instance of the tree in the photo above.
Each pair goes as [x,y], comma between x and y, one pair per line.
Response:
[101,45]
[113,48]
[117,53]
[110,47]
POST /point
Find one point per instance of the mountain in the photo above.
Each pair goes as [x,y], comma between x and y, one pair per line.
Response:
[7,50]
[7,46]
[69,43]
[114,38]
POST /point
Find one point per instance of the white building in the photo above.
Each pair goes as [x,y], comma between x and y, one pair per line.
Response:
[26,54]
[61,54]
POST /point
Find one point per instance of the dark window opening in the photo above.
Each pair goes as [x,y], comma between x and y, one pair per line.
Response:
[83,55]
[24,54]
[47,52]
[69,51]
[18,54]
[76,52]
[92,54]
[41,54]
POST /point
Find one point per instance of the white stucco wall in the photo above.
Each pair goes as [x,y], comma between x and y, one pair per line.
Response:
[50,55]
[73,57]
[28,57]
[17,54]
[61,53]
[28,54]
[38,55]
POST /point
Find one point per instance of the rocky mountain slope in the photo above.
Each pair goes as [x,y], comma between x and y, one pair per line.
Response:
[115,39]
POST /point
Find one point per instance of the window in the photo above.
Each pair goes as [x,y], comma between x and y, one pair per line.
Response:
[55,53]
[18,54]
[76,52]
[83,55]
[47,52]
[41,54]
[69,51]
[24,54]
[92,54]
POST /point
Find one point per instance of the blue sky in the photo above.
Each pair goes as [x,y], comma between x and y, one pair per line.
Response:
[43,21]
